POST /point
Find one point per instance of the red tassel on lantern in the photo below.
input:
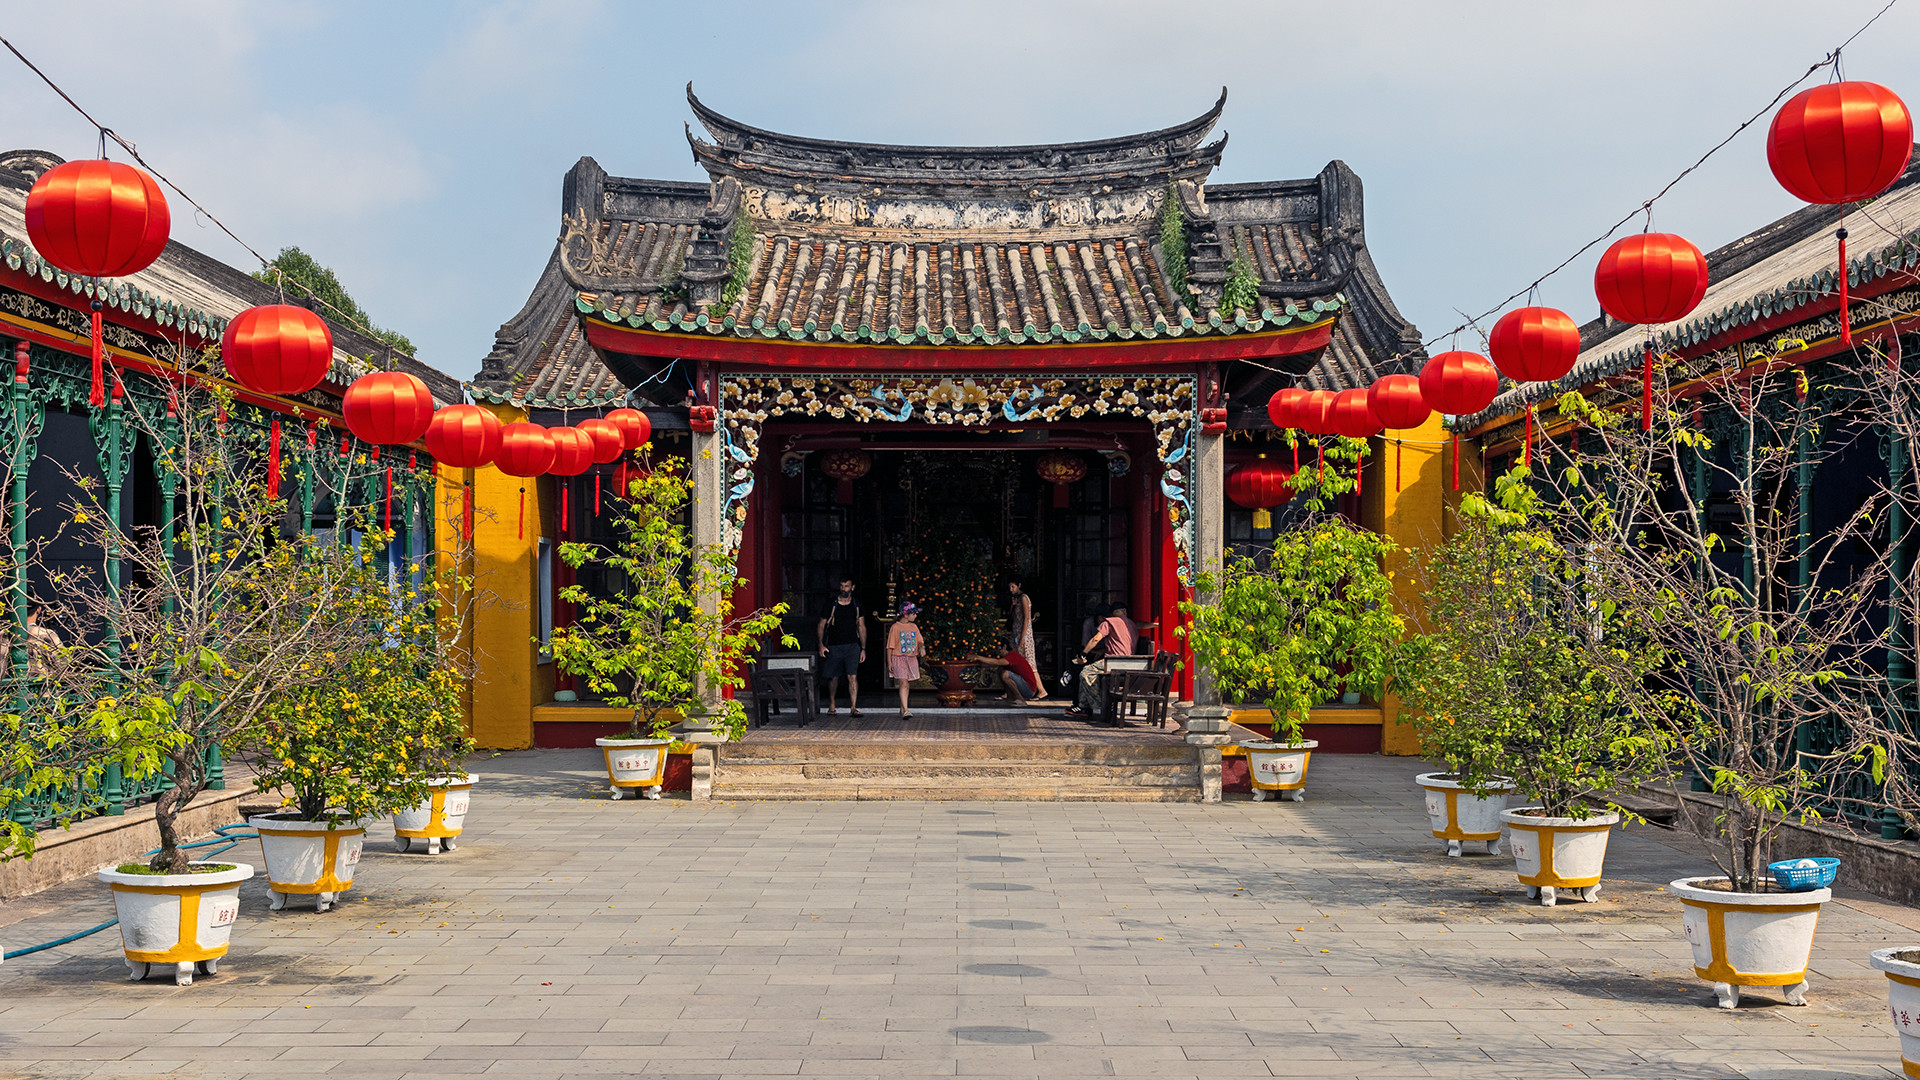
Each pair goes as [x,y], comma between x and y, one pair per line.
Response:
[1846,323]
[1397,447]
[566,485]
[97,395]
[387,521]
[1646,389]
[520,530]
[273,459]
[1526,448]
[1359,470]
[466,511]
[1456,461]
[596,494]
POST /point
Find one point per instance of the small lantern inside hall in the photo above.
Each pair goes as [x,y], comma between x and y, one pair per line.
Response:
[845,466]
[1060,468]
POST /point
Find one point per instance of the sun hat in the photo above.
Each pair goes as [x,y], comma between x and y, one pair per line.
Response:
[909,608]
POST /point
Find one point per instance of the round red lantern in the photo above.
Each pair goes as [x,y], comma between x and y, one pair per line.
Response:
[525,450]
[608,442]
[277,349]
[1650,278]
[1060,468]
[572,451]
[1459,383]
[388,407]
[1396,402]
[1259,486]
[845,466]
[1534,344]
[634,426]
[1352,415]
[625,475]
[97,218]
[1840,143]
[1284,406]
[1311,414]
[464,436]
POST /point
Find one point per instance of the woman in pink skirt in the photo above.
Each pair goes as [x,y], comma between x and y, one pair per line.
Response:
[903,652]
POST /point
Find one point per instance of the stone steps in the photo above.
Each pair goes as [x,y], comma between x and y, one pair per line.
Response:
[942,770]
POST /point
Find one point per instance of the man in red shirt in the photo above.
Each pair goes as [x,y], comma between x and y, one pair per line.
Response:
[1018,676]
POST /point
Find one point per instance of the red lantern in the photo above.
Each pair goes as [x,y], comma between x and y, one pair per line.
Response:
[1259,486]
[572,451]
[634,426]
[1310,415]
[625,475]
[608,441]
[464,436]
[845,466]
[1060,468]
[277,349]
[1650,278]
[1459,383]
[1840,143]
[1284,406]
[525,450]
[388,407]
[1396,402]
[1352,415]
[97,218]
[1534,344]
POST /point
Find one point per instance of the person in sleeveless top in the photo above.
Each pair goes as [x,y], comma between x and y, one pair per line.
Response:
[903,652]
[1020,630]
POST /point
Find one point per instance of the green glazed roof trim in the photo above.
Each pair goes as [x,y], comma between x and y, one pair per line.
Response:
[120,295]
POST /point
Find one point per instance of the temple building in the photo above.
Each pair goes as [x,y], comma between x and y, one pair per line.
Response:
[1057,352]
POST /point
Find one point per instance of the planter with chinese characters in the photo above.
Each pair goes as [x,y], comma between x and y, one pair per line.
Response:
[178,920]
[1459,816]
[307,858]
[638,765]
[1278,770]
[440,818]
[1749,939]
[1554,854]
[1902,969]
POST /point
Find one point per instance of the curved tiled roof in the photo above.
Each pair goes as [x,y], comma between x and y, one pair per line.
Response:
[853,253]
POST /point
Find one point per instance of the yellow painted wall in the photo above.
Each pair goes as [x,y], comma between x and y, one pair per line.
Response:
[508,680]
[453,571]
[1414,518]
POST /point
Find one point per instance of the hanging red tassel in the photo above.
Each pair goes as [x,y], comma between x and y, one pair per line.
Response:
[1646,389]
[1526,448]
[343,445]
[1846,324]
[387,520]
[596,494]
[566,485]
[97,395]
[1359,470]
[466,511]
[1321,453]
[520,530]
[1296,455]
[1397,445]
[273,459]
[1456,461]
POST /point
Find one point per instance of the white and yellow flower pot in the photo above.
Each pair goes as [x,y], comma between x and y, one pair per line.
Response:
[1551,854]
[440,818]
[306,858]
[1278,770]
[1749,939]
[635,764]
[180,919]
[1459,816]
[1902,968]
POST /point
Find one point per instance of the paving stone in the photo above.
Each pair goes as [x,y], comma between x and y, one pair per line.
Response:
[573,937]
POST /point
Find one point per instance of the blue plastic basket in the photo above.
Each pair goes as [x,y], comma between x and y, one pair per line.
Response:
[1803,878]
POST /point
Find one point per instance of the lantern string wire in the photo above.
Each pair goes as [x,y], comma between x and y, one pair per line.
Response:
[1830,60]
[108,133]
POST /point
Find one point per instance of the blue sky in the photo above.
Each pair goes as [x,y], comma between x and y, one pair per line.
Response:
[417,148]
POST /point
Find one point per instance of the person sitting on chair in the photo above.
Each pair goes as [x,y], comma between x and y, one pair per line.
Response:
[1115,636]
[1015,673]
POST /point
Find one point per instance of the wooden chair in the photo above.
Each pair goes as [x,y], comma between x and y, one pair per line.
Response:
[782,678]
[1129,680]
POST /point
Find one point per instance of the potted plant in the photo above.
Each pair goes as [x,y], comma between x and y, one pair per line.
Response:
[373,739]
[1504,691]
[216,616]
[1755,616]
[668,641]
[1293,629]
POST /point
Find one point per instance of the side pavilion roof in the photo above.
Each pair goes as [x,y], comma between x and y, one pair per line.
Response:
[962,256]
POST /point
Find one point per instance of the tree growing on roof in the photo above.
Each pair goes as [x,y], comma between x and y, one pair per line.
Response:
[301,272]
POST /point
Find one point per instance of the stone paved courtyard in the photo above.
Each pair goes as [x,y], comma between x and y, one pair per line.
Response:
[574,936]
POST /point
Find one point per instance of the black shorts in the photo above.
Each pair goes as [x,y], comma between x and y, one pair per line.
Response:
[841,660]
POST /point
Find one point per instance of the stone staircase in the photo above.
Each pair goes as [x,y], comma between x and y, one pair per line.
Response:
[957,769]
